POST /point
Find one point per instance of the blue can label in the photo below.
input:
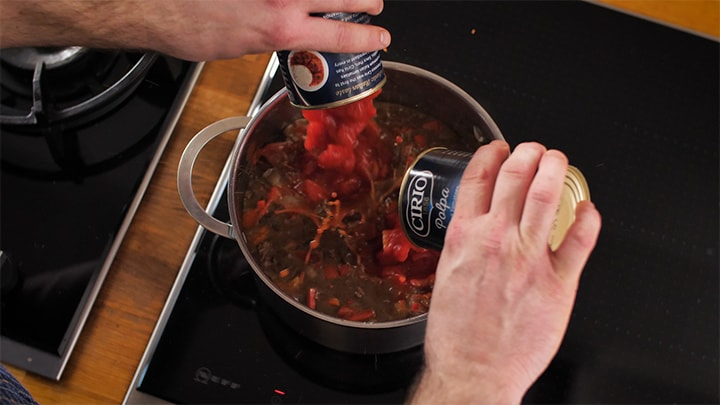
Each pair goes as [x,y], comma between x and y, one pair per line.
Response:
[322,79]
[428,193]
[429,190]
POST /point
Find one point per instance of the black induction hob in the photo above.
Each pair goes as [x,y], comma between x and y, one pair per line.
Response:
[634,104]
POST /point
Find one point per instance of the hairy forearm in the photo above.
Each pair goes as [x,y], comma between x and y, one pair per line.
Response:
[91,23]
[460,388]
[190,29]
[454,373]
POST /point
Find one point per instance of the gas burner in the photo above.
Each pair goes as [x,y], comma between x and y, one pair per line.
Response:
[51,58]
[42,87]
[58,119]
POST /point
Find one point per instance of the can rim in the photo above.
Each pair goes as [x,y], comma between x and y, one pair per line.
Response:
[575,189]
[344,101]
[575,182]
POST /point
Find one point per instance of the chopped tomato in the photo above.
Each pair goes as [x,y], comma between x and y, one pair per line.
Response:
[350,314]
[395,273]
[314,191]
[344,270]
[333,134]
[273,195]
[252,217]
[316,138]
[312,298]
[361,110]
[337,157]
[424,263]
[344,312]
[416,307]
[349,186]
[275,153]
[362,315]
[314,115]
[331,272]
[396,246]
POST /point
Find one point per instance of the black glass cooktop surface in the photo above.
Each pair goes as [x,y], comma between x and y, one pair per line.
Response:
[634,105]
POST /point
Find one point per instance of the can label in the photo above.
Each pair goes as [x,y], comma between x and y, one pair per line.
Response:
[428,193]
[322,79]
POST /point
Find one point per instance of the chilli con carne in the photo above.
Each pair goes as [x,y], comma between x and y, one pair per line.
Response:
[321,214]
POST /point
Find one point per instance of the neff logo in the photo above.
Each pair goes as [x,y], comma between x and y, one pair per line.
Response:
[417,211]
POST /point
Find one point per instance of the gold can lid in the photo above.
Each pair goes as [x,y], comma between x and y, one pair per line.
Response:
[575,190]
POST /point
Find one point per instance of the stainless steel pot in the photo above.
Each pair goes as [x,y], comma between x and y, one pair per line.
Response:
[406,85]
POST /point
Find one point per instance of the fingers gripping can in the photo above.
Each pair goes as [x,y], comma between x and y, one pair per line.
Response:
[316,80]
[428,193]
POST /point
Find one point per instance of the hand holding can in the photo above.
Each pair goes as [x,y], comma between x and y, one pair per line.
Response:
[316,80]
[430,188]
[502,298]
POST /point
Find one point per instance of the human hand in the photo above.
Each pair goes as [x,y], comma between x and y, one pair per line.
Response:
[227,28]
[191,29]
[502,299]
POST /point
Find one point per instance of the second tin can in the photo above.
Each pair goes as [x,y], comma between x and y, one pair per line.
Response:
[429,190]
[317,80]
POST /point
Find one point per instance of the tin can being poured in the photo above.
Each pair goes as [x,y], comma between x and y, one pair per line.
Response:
[316,80]
[429,190]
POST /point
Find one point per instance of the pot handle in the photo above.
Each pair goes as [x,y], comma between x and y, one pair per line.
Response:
[184,176]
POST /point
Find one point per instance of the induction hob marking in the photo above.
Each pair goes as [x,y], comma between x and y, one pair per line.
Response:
[203,375]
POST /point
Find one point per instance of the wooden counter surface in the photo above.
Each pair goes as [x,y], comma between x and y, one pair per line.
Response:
[132,297]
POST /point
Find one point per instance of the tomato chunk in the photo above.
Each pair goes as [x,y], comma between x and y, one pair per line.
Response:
[314,191]
[317,137]
[337,157]
[396,246]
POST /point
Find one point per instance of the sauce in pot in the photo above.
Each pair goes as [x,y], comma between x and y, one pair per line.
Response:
[321,217]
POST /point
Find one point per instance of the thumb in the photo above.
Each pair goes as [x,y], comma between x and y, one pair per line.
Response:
[572,254]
